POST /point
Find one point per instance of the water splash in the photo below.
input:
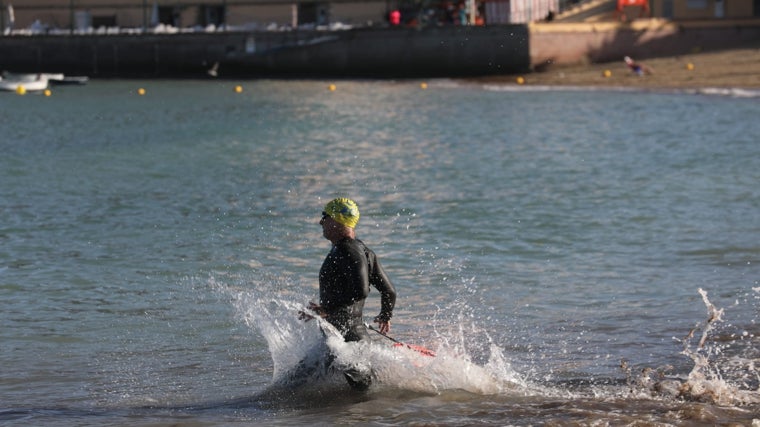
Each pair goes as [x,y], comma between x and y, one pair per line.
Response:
[717,376]
[294,343]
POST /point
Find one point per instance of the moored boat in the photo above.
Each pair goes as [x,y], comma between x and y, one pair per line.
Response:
[24,82]
[69,80]
[37,81]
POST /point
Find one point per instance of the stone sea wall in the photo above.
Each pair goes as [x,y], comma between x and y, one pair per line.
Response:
[578,43]
[382,52]
[453,51]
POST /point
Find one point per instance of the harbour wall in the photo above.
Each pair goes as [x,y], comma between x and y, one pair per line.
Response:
[368,52]
[448,51]
[579,43]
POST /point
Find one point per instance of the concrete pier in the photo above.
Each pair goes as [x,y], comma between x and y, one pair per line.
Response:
[446,51]
[370,52]
[599,42]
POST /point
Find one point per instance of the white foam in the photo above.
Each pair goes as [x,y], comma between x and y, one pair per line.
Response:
[291,340]
[709,91]
[706,381]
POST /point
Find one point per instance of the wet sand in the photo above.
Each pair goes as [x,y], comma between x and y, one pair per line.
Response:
[730,68]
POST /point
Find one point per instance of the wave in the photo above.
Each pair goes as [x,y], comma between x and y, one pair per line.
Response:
[722,373]
[717,376]
[722,384]
[308,354]
[709,91]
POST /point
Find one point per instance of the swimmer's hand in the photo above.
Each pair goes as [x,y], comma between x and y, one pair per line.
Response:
[302,315]
[384,326]
[313,308]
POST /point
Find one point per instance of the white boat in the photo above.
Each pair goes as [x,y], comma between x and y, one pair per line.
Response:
[53,78]
[29,82]
[25,77]
[69,80]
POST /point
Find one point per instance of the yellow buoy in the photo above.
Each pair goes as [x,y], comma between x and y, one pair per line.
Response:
[48,92]
[520,80]
[689,66]
[423,85]
[238,89]
[332,88]
[607,73]
[21,90]
[141,91]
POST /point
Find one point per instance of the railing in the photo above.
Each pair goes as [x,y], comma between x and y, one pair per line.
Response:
[98,17]
[565,5]
[143,16]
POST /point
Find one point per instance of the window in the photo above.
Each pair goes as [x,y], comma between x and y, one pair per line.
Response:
[696,4]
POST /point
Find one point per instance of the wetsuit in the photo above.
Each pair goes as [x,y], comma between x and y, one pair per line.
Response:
[344,281]
[636,68]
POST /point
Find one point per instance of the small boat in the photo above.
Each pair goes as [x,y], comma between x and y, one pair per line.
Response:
[29,82]
[37,81]
[69,80]
[28,77]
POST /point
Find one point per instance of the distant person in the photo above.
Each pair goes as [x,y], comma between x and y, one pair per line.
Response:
[449,13]
[622,5]
[550,16]
[395,17]
[11,20]
[637,67]
[462,14]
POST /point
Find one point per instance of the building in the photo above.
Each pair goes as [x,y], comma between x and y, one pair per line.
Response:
[519,11]
[104,16]
[212,15]
[673,10]
[686,10]
[83,15]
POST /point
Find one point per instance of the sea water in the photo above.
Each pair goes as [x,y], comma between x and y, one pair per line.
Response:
[571,256]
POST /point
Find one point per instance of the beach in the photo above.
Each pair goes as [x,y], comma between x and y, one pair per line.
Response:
[731,68]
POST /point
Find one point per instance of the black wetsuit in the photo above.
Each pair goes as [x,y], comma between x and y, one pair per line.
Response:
[344,281]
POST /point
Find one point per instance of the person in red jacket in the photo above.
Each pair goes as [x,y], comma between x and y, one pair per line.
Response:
[395,17]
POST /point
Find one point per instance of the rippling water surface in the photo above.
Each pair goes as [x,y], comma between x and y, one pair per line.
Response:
[572,256]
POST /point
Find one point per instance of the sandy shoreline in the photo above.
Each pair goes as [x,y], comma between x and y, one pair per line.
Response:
[730,68]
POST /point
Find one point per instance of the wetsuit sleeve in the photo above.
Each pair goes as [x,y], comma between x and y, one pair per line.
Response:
[383,284]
